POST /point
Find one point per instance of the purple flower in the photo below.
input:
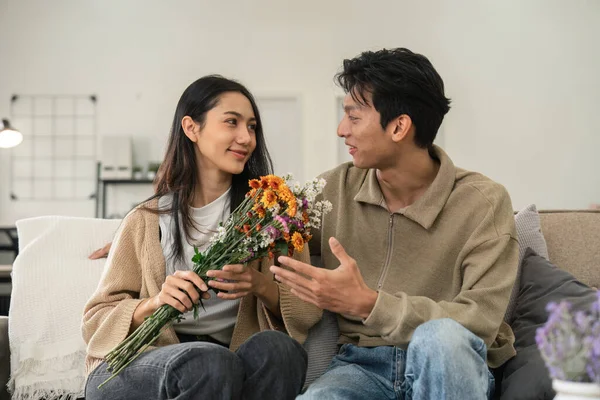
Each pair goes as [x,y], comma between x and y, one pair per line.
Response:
[596,346]
[551,306]
[273,232]
[582,320]
[283,222]
[596,304]
[298,224]
[569,342]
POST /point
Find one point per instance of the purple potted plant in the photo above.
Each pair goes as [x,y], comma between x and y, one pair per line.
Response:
[569,343]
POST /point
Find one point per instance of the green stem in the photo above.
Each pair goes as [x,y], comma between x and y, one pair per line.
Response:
[114,374]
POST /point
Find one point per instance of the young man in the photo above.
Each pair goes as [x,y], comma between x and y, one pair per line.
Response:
[420,256]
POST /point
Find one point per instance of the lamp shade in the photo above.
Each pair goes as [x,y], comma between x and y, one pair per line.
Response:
[9,136]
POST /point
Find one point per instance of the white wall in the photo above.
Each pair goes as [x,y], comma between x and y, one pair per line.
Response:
[523,75]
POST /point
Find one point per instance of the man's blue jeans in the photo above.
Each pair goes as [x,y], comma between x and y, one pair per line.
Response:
[269,365]
[443,361]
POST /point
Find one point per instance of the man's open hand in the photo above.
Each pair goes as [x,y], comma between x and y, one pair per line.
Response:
[341,290]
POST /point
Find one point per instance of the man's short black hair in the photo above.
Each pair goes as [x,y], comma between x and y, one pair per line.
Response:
[400,82]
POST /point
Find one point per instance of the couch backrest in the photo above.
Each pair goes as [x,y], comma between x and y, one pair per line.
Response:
[573,239]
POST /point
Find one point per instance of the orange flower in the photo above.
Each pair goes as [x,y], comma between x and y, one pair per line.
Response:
[275,182]
[298,241]
[264,182]
[258,227]
[285,193]
[254,183]
[292,208]
[305,218]
[286,236]
[269,199]
[260,210]
[246,228]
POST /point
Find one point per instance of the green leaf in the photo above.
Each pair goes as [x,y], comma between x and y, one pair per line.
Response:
[281,247]
[198,257]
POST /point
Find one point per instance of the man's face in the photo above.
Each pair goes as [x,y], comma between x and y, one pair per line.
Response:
[368,143]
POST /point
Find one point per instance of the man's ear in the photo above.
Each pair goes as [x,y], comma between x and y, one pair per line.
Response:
[400,127]
[190,128]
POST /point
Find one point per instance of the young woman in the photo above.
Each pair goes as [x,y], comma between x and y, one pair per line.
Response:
[216,145]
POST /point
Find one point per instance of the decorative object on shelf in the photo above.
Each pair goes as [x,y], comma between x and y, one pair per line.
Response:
[9,136]
[152,170]
[117,157]
[138,174]
[102,190]
[569,343]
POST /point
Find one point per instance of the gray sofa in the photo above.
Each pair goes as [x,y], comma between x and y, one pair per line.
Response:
[4,358]
[572,237]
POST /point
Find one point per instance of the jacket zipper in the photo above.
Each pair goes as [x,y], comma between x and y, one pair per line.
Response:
[389,253]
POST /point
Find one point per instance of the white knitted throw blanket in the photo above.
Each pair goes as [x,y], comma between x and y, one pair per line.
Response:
[52,280]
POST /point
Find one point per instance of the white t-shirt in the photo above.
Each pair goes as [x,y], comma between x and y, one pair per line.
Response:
[219,318]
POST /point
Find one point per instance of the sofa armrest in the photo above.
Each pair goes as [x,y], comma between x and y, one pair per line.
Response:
[4,358]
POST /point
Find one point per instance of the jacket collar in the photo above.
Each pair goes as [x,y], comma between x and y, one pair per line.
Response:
[425,210]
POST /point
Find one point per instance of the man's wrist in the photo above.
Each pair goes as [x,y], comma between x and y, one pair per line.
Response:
[263,286]
[267,291]
[368,300]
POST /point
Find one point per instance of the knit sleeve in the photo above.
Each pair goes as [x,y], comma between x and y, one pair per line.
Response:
[109,312]
[297,315]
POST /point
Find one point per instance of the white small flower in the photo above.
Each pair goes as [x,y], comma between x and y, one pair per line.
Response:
[325,206]
[297,189]
[321,185]
[275,209]
[315,222]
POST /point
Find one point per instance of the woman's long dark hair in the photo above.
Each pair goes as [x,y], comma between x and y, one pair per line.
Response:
[178,173]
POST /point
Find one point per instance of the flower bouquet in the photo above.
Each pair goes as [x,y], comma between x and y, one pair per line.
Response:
[569,343]
[275,217]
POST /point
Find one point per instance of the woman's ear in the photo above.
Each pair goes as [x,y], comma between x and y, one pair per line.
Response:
[400,127]
[190,128]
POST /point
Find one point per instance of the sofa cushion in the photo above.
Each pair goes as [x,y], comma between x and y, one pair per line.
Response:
[4,358]
[321,346]
[572,237]
[529,234]
[525,375]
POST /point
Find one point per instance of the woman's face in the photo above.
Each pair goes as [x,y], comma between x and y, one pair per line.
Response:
[228,137]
